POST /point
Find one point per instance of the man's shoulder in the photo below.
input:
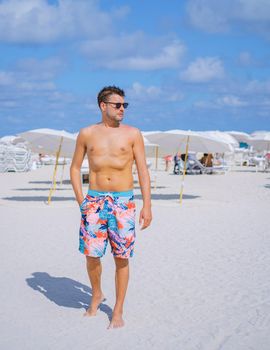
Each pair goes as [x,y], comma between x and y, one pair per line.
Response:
[130,129]
[87,130]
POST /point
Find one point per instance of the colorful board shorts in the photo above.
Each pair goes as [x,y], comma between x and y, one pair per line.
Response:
[107,216]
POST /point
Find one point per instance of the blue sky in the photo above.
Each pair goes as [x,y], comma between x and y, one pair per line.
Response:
[194,64]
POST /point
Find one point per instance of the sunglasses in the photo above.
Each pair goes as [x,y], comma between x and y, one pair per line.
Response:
[117,105]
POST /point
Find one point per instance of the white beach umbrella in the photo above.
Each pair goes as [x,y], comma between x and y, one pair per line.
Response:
[261,142]
[173,141]
[184,141]
[260,133]
[147,143]
[48,141]
[223,136]
[51,141]
[240,136]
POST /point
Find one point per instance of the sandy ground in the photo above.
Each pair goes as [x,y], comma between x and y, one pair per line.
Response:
[200,276]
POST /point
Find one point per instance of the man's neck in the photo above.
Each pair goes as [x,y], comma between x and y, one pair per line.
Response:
[110,124]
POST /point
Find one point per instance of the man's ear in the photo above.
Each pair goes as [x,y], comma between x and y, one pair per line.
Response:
[102,106]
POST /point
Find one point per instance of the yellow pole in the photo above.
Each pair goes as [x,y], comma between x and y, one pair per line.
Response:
[156,157]
[53,187]
[184,172]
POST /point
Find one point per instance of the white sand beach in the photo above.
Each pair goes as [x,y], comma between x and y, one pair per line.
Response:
[200,275]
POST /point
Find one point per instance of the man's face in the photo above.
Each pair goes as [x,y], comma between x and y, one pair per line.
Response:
[110,110]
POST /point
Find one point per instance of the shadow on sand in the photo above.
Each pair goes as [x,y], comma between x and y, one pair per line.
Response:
[64,182]
[39,189]
[152,187]
[38,199]
[64,291]
[44,199]
[173,196]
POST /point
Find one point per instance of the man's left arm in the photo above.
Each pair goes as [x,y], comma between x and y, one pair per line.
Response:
[144,180]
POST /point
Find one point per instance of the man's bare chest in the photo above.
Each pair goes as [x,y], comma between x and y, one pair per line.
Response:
[116,145]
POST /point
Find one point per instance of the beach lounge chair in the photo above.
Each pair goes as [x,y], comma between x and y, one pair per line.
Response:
[14,159]
[195,165]
[191,168]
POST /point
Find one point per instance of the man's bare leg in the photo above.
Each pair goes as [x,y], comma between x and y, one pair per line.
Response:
[94,270]
[121,283]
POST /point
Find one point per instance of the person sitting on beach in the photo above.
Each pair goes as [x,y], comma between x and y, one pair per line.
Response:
[207,159]
[183,156]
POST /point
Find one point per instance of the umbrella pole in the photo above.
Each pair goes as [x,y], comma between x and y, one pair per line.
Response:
[156,157]
[184,172]
[53,187]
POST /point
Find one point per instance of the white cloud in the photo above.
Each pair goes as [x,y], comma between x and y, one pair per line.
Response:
[8,104]
[226,101]
[245,58]
[168,57]
[138,91]
[6,78]
[142,93]
[203,70]
[30,78]
[218,16]
[34,86]
[30,99]
[256,87]
[37,21]
[206,15]
[41,69]
[135,51]
[231,101]
[266,102]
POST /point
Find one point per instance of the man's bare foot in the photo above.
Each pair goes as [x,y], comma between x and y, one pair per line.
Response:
[96,301]
[117,321]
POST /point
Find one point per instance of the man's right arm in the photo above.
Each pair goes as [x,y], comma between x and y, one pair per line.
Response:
[75,168]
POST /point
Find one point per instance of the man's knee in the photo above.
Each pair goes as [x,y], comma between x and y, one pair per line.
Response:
[120,262]
[92,261]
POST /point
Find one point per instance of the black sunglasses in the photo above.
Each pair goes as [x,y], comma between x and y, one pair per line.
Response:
[117,105]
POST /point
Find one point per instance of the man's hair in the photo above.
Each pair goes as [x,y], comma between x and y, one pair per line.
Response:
[108,91]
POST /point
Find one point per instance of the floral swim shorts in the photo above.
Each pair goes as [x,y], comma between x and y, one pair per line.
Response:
[107,216]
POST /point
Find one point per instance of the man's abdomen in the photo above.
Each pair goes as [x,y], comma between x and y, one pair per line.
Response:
[111,180]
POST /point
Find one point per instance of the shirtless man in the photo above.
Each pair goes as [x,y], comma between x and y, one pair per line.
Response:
[108,210]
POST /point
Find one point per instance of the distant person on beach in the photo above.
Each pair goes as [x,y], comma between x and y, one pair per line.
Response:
[207,159]
[177,160]
[183,157]
[168,160]
[108,210]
